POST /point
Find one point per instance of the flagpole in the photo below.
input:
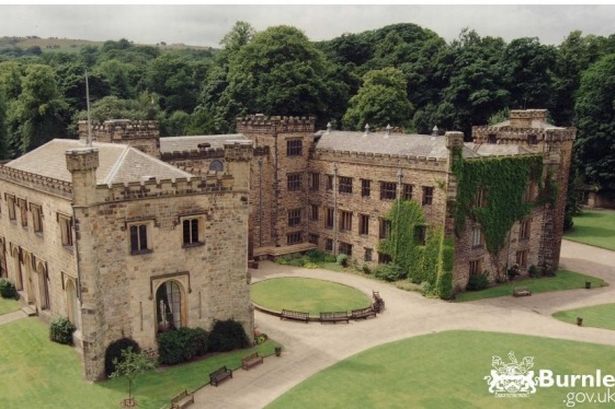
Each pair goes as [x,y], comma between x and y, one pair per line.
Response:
[87,99]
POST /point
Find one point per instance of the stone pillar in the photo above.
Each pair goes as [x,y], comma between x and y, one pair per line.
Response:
[454,144]
[82,164]
[237,156]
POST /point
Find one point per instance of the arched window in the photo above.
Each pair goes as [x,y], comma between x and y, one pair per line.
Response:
[169,306]
[216,165]
[72,303]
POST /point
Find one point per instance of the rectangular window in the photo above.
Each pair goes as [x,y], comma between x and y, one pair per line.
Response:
[388,190]
[345,184]
[345,221]
[294,147]
[37,218]
[524,229]
[329,182]
[530,192]
[329,220]
[477,239]
[10,202]
[420,234]
[313,238]
[314,212]
[294,217]
[191,231]
[138,239]
[365,187]
[384,258]
[406,191]
[522,258]
[345,248]
[480,199]
[427,195]
[294,238]
[314,181]
[23,212]
[367,256]
[66,230]
[475,267]
[363,224]
[385,229]
[294,181]
[329,245]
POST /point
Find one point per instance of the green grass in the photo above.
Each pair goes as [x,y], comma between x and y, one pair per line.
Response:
[563,280]
[594,227]
[599,316]
[443,371]
[36,373]
[307,294]
[7,305]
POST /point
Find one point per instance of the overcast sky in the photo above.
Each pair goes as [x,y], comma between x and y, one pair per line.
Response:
[206,25]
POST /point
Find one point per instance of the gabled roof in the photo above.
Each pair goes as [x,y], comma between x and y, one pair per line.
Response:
[171,144]
[117,163]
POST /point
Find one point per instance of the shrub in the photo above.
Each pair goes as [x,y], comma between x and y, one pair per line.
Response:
[61,331]
[513,272]
[7,289]
[330,258]
[389,272]
[227,335]
[113,354]
[534,271]
[342,260]
[182,345]
[260,339]
[310,264]
[366,269]
[316,256]
[478,282]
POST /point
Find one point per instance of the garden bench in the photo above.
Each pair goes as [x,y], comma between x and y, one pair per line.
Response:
[182,400]
[363,313]
[220,375]
[295,315]
[521,292]
[251,360]
[335,316]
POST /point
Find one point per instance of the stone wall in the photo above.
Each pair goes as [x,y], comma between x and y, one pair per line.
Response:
[141,134]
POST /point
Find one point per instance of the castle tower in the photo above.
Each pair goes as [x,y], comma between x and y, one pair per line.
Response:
[140,134]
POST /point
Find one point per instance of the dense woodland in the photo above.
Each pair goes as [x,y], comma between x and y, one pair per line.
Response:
[402,75]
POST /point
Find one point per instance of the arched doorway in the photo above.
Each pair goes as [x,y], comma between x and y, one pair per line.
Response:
[43,285]
[18,273]
[72,302]
[170,310]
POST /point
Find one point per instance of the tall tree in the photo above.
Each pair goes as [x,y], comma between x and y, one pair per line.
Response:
[3,128]
[172,77]
[381,100]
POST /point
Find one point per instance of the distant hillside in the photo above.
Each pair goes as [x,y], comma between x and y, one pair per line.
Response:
[71,45]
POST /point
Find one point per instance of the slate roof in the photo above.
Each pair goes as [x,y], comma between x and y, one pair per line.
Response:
[535,123]
[117,163]
[187,143]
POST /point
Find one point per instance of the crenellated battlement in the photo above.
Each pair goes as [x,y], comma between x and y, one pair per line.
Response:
[116,129]
[514,136]
[259,123]
[381,159]
[34,181]
[211,153]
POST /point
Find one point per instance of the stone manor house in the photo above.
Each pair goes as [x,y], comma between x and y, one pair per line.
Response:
[137,231]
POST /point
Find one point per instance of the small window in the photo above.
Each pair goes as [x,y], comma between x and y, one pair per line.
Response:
[427,195]
[294,181]
[368,255]
[314,181]
[313,238]
[329,182]
[294,147]
[23,212]
[480,199]
[388,190]
[345,221]
[345,184]
[191,232]
[532,139]
[365,187]
[345,248]
[475,267]
[492,139]
[66,230]
[10,202]
[477,239]
[216,166]
[294,238]
[329,220]
[406,192]
[385,228]
[524,229]
[138,239]
[329,245]
[314,212]
[363,224]
[294,217]
[384,258]
[419,234]
[521,258]
[37,218]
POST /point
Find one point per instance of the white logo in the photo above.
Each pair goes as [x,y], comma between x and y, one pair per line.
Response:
[511,379]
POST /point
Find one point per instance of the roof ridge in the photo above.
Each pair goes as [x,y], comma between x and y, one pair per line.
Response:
[158,161]
[117,165]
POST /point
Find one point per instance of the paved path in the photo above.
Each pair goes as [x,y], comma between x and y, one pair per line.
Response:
[12,316]
[309,348]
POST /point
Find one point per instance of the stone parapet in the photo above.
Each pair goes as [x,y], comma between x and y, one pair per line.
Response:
[260,123]
[34,181]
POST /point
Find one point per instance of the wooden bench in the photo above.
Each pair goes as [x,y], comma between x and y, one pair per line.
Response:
[295,315]
[363,313]
[251,360]
[335,316]
[182,400]
[220,375]
[521,292]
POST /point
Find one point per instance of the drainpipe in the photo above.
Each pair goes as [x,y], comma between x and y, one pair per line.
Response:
[335,221]
[399,191]
[260,202]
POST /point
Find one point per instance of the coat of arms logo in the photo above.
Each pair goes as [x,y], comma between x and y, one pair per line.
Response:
[513,378]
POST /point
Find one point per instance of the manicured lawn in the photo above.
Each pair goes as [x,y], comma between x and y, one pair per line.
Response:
[594,227]
[36,373]
[600,316]
[307,294]
[563,280]
[444,371]
[7,305]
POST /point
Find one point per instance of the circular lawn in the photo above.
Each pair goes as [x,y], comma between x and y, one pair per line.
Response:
[307,295]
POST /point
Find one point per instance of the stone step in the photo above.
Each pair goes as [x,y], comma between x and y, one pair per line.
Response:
[29,310]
